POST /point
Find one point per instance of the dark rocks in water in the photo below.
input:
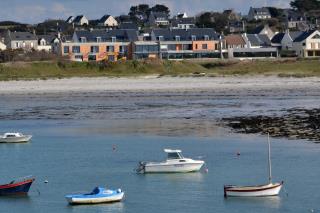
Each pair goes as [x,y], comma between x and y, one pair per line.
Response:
[296,123]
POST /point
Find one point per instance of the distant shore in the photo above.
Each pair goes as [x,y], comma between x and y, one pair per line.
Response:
[154,83]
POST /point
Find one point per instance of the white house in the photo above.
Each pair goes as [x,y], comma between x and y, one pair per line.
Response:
[288,38]
[258,13]
[108,21]
[2,45]
[47,42]
[307,44]
[80,20]
[23,40]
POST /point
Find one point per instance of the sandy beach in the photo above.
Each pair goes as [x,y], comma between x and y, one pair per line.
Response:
[157,84]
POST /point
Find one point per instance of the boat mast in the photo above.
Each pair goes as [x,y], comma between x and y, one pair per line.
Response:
[269,160]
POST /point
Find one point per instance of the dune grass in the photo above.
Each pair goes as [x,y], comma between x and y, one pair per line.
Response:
[134,68]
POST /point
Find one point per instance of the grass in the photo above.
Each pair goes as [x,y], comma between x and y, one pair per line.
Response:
[134,68]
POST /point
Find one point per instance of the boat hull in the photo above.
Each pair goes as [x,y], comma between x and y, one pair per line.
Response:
[253,191]
[21,139]
[19,188]
[173,168]
[95,200]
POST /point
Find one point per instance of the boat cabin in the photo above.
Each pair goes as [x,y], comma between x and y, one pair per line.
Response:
[11,135]
[173,154]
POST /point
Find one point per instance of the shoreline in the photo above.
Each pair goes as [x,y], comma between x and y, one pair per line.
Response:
[154,83]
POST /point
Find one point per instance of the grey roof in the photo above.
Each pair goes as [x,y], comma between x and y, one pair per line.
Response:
[123,35]
[303,36]
[293,15]
[277,38]
[262,10]
[295,34]
[104,18]
[189,20]
[128,25]
[22,36]
[48,38]
[259,40]
[258,29]
[186,35]
[66,38]
[78,18]
[70,19]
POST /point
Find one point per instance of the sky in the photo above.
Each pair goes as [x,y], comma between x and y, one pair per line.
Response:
[35,11]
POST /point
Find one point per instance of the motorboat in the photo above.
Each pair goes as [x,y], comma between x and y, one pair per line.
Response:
[98,195]
[175,162]
[269,189]
[17,187]
[15,137]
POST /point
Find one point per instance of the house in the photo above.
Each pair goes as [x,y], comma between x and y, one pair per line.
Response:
[234,41]
[23,40]
[258,14]
[263,30]
[276,40]
[257,46]
[232,15]
[295,20]
[80,20]
[179,44]
[2,44]
[108,21]
[97,45]
[47,42]
[284,41]
[236,26]
[307,44]
[183,23]
[158,19]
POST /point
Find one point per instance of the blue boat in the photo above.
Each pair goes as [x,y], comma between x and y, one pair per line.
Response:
[98,195]
[19,187]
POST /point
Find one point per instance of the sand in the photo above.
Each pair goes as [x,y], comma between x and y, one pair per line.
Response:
[157,84]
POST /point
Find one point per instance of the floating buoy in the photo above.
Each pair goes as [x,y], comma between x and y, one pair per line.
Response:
[46,181]
[238,154]
[206,170]
[113,147]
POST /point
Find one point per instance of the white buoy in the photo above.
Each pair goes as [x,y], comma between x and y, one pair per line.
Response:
[46,181]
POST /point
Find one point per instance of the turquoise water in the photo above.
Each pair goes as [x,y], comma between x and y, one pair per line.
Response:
[74,157]
[74,135]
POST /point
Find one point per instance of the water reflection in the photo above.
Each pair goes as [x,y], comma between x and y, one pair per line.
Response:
[97,208]
[273,202]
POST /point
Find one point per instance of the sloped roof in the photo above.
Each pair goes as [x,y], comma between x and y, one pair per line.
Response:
[259,40]
[235,39]
[48,38]
[186,35]
[277,38]
[78,18]
[106,35]
[22,36]
[128,25]
[295,34]
[262,10]
[189,20]
[303,36]
[104,18]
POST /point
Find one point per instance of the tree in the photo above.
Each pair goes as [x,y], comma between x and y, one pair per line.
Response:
[215,20]
[161,8]
[139,10]
[305,5]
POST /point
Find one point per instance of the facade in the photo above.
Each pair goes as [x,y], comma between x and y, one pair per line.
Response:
[294,19]
[70,19]
[236,26]
[258,13]
[98,45]
[108,21]
[288,38]
[158,19]
[264,30]
[233,42]
[21,40]
[184,44]
[307,44]
[2,45]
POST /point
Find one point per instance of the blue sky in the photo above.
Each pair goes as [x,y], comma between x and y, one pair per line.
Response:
[33,11]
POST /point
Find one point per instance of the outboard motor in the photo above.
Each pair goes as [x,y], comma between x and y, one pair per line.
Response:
[141,167]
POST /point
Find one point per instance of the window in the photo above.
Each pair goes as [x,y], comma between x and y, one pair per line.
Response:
[94,49]
[92,57]
[99,39]
[83,39]
[110,48]
[66,49]
[313,45]
[317,36]
[196,47]
[76,49]
[17,45]
[193,38]
[206,37]
[160,38]
[303,44]
[111,58]
[122,49]
[204,46]
[174,155]
[113,39]
[177,38]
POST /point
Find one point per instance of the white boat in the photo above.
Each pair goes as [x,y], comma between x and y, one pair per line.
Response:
[15,137]
[98,195]
[175,163]
[270,189]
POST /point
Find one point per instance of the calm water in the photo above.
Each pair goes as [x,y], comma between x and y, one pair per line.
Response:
[75,154]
